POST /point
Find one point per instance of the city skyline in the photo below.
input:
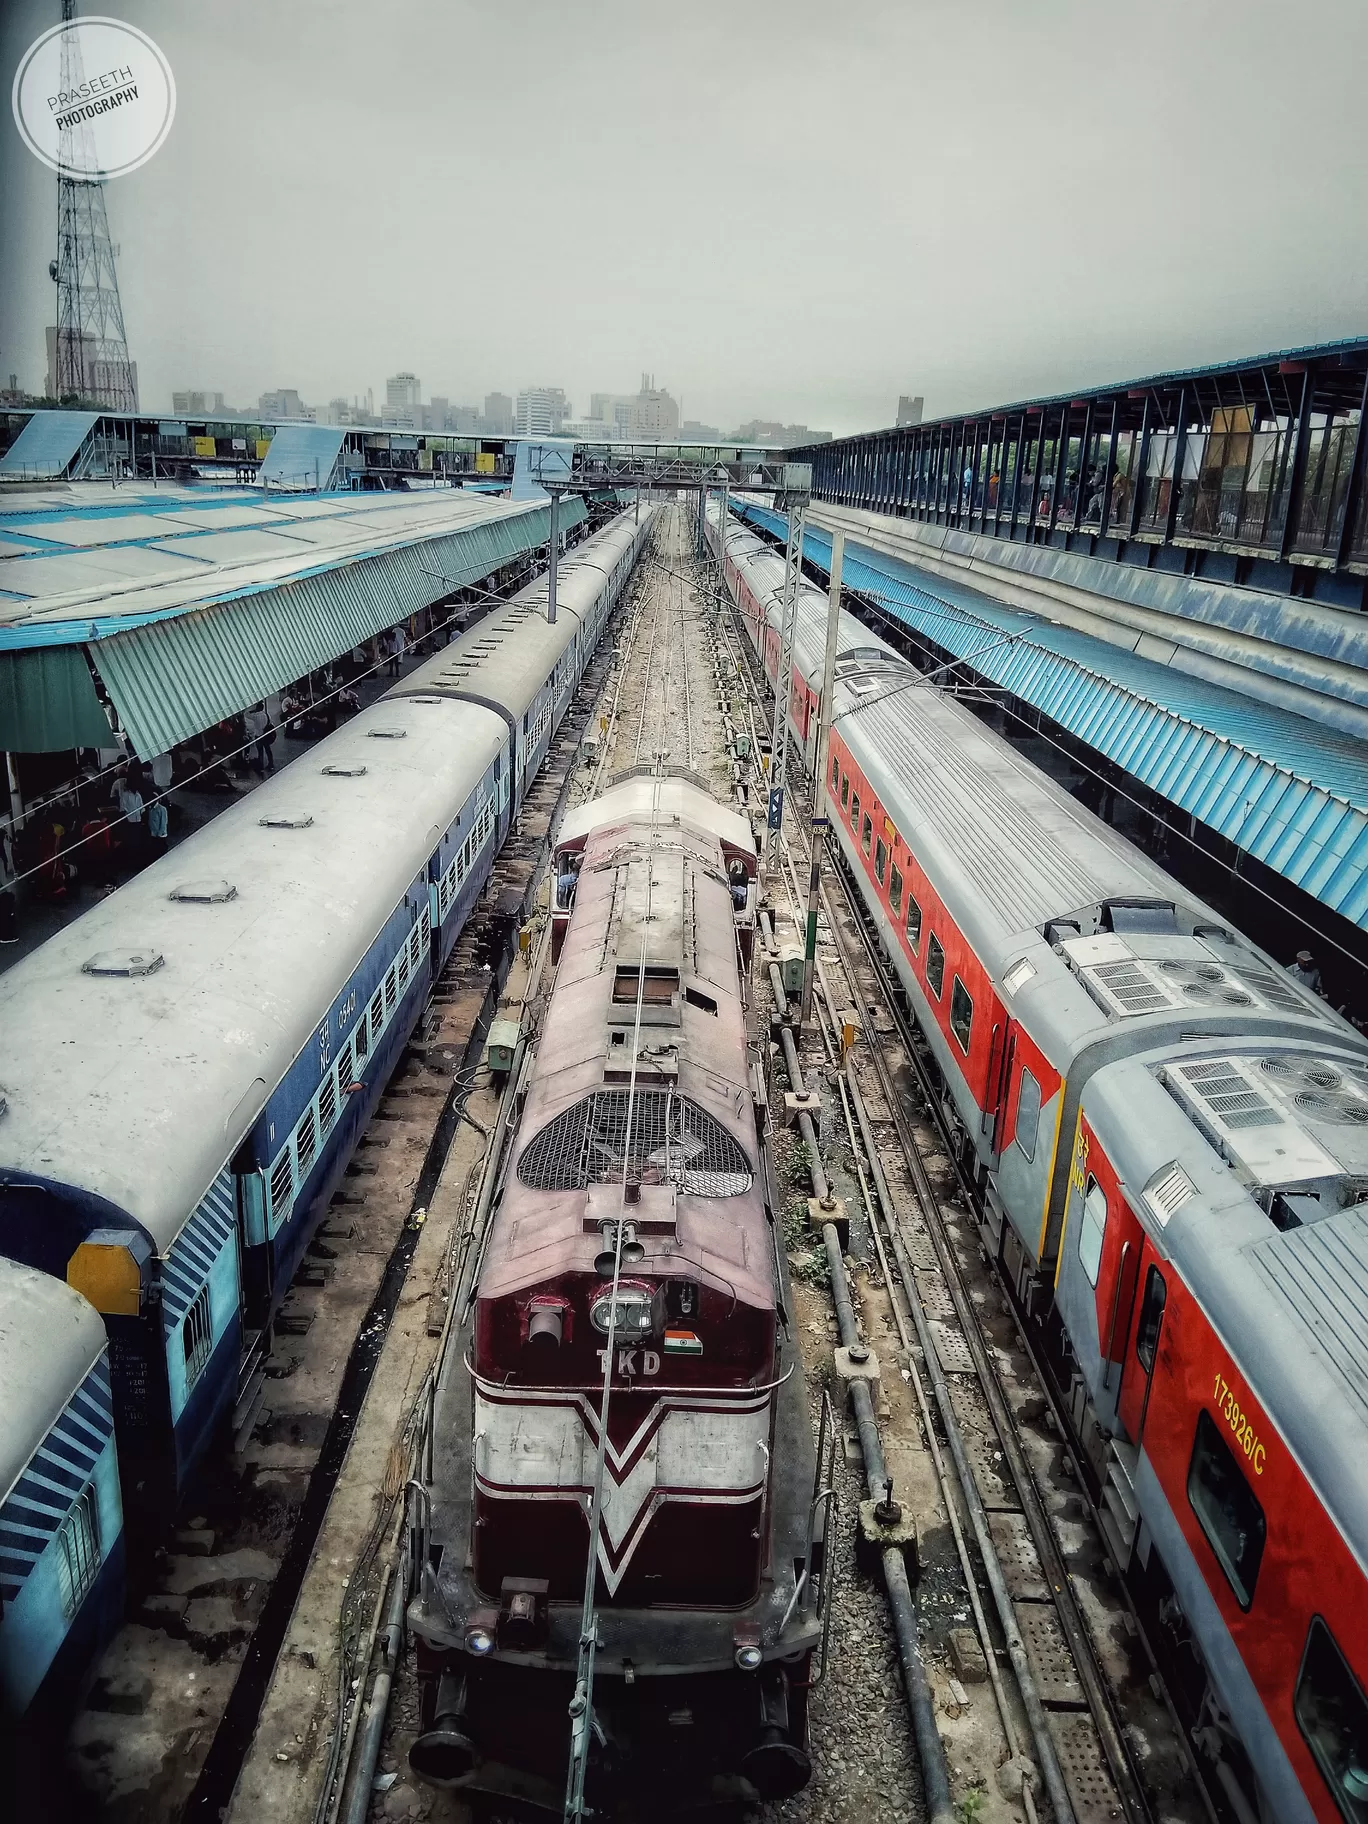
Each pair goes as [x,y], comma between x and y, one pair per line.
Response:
[1102,255]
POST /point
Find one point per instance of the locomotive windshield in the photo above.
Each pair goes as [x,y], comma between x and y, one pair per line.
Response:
[665,1139]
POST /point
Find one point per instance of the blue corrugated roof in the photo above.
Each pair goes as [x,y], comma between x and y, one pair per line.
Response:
[47,444]
[1287,791]
[301,456]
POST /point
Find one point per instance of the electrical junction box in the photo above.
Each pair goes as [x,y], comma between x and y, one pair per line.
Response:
[791,961]
[501,1044]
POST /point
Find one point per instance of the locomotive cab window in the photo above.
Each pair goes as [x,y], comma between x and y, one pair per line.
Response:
[895,887]
[880,861]
[1092,1230]
[935,965]
[913,925]
[1028,1113]
[961,1014]
[1332,1714]
[1227,1509]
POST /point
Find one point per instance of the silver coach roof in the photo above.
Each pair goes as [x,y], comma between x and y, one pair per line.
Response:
[1018,848]
[50,1339]
[508,656]
[1291,1308]
[139,1088]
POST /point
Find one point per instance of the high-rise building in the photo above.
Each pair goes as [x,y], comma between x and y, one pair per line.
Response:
[193,404]
[498,415]
[910,409]
[541,412]
[647,416]
[88,372]
[402,392]
[437,413]
[654,414]
[285,402]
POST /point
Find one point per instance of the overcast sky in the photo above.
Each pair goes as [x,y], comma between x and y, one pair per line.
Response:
[781,209]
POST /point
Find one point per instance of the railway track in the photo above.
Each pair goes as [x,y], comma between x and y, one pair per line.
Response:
[170,1718]
[1081,1700]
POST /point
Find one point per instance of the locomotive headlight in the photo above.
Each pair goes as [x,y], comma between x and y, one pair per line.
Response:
[479,1640]
[749,1659]
[635,1317]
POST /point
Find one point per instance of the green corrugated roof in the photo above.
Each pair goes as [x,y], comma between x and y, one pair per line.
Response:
[172,678]
[48,702]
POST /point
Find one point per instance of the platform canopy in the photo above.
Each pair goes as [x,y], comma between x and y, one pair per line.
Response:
[1288,791]
[192,603]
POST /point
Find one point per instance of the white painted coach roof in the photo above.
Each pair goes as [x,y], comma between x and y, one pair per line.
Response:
[50,1338]
[510,654]
[139,1088]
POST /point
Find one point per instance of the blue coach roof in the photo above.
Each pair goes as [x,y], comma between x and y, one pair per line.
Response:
[1287,791]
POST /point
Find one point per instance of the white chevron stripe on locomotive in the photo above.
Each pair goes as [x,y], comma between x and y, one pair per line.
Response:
[712,1452]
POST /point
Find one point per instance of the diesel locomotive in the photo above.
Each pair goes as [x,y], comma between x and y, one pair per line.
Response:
[628,1329]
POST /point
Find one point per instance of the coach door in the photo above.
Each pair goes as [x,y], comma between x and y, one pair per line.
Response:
[1142,1344]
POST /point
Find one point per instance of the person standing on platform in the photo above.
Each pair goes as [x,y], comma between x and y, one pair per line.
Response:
[131,811]
[9,900]
[1305,972]
[158,829]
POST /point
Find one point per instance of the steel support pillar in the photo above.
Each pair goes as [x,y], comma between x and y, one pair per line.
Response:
[783,682]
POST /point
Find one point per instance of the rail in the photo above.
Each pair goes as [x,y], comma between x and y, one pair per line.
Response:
[1102,1702]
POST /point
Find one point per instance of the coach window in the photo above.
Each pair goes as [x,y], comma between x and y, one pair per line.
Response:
[1028,1113]
[880,861]
[835,773]
[866,833]
[1151,1319]
[913,925]
[935,965]
[854,810]
[845,790]
[1332,1713]
[961,1014]
[1226,1508]
[1092,1229]
[895,886]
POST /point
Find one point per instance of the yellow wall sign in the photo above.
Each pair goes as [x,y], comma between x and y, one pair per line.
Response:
[484,462]
[204,446]
[263,444]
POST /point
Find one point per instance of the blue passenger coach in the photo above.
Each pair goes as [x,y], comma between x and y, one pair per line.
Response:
[61,1522]
[188,1066]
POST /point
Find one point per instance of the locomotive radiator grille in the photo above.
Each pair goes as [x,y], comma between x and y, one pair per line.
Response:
[672,1141]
